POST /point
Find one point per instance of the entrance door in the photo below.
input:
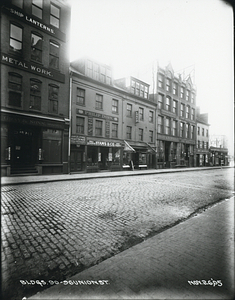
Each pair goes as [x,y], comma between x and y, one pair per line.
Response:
[22,148]
[167,153]
[76,161]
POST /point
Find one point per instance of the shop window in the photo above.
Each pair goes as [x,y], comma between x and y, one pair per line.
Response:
[55,16]
[16,38]
[54,55]
[142,159]
[141,133]
[128,132]
[80,121]
[80,97]
[129,110]
[160,124]
[150,116]
[53,99]
[98,101]
[15,89]
[150,136]
[37,8]
[35,94]
[114,106]
[98,128]
[36,47]
[52,152]
[114,130]
[141,114]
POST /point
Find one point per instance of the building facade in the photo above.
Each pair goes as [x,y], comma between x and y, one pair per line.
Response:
[218,150]
[202,144]
[176,119]
[111,124]
[34,86]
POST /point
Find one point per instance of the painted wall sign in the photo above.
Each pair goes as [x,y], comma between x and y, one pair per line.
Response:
[96,115]
[90,126]
[31,67]
[92,142]
[32,20]
[78,140]
[107,129]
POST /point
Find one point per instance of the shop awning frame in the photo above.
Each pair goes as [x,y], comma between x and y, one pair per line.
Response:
[151,148]
[128,147]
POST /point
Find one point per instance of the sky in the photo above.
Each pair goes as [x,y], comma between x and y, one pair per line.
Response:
[133,36]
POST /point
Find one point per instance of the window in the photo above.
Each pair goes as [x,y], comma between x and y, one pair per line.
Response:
[114,130]
[137,90]
[192,98]
[182,110]
[108,77]
[35,94]
[187,112]
[174,106]
[133,87]
[150,116]
[53,98]
[54,55]
[175,89]
[192,114]
[186,131]
[98,128]
[167,126]
[192,132]
[16,35]
[181,129]
[89,68]
[181,92]
[18,3]
[37,8]
[160,81]
[198,144]
[207,133]
[203,131]
[102,74]
[141,132]
[174,127]
[202,146]
[187,95]
[36,47]
[80,121]
[98,101]
[160,101]
[80,97]
[150,136]
[55,16]
[128,132]
[96,72]
[160,124]
[168,104]
[141,114]
[114,106]
[168,85]
[129,110]
[141,90]
[15,89]
[146,92]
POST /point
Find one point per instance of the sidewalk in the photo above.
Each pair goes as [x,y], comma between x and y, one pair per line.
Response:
[166,266]
[12,180]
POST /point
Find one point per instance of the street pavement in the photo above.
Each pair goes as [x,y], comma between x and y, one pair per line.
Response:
[52,230]
[192,260]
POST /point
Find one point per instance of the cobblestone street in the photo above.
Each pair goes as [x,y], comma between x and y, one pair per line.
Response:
[54,230]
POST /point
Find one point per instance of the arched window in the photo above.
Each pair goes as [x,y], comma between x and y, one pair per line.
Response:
[35,94]
[15,89]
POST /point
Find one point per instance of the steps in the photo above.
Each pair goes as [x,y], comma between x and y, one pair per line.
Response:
[24,170]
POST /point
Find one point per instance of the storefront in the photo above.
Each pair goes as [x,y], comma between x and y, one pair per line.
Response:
[33,145]
[218,156]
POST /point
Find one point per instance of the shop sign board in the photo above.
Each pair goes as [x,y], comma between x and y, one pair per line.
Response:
[78,140]
[103,143]
[96,115]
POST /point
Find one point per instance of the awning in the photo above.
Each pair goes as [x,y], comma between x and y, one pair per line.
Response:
[151,148]
[128,147]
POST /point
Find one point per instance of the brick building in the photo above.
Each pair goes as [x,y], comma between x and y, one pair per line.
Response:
[34,86]
[176,119]
[202,144]
[112,122]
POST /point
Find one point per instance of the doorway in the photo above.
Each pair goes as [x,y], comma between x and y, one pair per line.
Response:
[76,161]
